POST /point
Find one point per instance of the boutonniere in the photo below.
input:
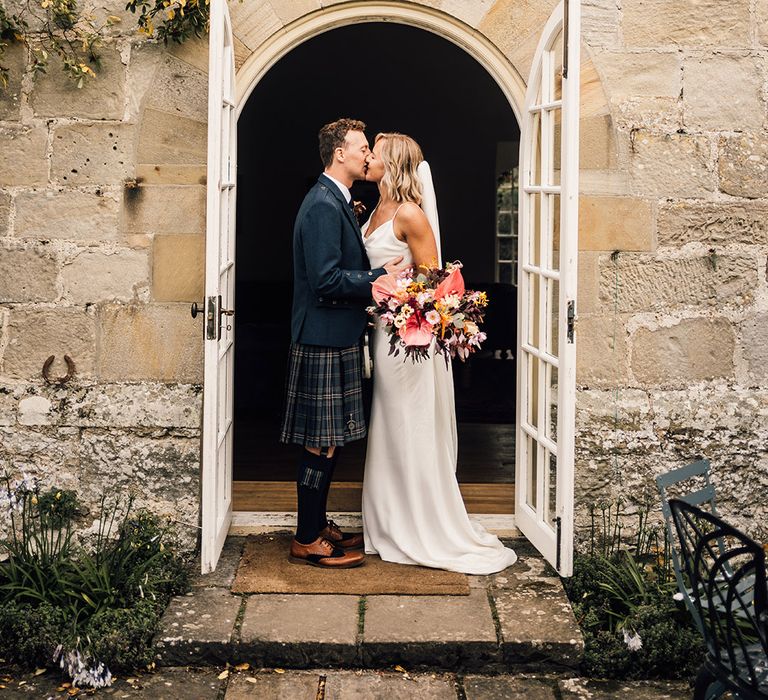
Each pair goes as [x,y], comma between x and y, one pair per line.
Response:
[359,209]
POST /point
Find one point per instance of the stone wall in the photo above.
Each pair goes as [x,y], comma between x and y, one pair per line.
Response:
[672,327]
[101,249]
[101,253]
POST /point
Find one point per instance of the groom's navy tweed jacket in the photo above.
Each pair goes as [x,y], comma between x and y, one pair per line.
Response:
[331,273]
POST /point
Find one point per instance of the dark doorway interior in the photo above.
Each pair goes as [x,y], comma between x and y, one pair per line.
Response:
[395,78]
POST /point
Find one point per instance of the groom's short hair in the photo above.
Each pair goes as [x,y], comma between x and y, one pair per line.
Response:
[332,136]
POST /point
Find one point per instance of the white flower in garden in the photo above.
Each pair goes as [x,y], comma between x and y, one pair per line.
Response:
[678,596]
[632,640]
[433,317]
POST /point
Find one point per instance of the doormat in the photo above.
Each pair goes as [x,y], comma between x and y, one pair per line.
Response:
[264,568]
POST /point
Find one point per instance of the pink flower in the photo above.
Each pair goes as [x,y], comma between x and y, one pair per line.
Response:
[416,332]
[384,287]
[453,284]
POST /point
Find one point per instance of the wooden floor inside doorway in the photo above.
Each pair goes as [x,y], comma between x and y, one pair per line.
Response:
[345,496]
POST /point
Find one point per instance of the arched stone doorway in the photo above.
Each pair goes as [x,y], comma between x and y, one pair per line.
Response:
[395,77]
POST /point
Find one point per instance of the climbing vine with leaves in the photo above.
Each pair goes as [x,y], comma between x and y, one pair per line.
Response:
[60,28]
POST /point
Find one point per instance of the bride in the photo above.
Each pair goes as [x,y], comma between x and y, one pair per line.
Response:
[413,512]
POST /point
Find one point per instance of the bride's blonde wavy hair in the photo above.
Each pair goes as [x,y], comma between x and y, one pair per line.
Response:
[401,156]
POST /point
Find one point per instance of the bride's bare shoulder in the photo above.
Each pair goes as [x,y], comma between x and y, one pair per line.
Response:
[410,212]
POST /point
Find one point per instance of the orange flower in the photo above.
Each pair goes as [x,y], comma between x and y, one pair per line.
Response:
[453,284]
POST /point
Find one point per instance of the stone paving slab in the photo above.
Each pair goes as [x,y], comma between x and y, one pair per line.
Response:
[509,688]
[269,685]
[379,685]
[166,684]
[300,630]
[443,632]
[225,569]
[536,619]
[588,689]
[197,628]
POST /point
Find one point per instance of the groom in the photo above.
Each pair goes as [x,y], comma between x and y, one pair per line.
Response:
[331,288]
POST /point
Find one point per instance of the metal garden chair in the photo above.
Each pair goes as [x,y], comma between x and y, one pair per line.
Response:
[691,484]
[726,571]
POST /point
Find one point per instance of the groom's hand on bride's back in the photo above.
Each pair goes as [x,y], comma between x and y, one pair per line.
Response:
[396,266]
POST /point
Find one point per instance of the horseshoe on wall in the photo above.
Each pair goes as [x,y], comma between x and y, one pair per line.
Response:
[60,380]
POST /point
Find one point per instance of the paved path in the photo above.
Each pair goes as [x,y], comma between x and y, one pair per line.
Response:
[517,620]
[278,684]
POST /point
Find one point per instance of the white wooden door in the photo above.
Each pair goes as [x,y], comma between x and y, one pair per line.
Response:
[548,239]
[219,289]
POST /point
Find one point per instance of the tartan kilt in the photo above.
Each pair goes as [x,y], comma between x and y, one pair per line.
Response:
[323,396]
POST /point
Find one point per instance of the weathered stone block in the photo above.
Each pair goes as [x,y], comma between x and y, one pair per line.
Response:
[597,143]
[696,23]
[615,223]
[671,165]
[761,19]
[297,685]
[68,215]
[589,282]
[140,75]
[646,282]
[168,138]
[148,174]
[340,685]
[601,351]
[25,159]
[14,59]
[135,405]
[160,468]
[318,619]
[754,347]
[27,273]
[691,351]
[35,334]
[35,410]
[654,114]
[723,92]
[600,21]
[164,209]
[177,89]
[45,452]
[253,22]
[5,211]
[160,342]
[101,97]
[509,22]
[96,275]
[93,154]
[583,689]
[644,75]
[195,50]
[178,267]
[717,224]
[743,165]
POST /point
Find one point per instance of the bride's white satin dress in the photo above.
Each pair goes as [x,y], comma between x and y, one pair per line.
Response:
[413,512]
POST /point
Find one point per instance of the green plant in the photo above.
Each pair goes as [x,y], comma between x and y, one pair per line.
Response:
[622,595]
[102,601]
[176,20]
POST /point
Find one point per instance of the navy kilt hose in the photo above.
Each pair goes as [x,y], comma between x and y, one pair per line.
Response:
[323,396]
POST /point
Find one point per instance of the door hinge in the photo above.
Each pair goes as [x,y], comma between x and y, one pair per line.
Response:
[571,319]
[559,525]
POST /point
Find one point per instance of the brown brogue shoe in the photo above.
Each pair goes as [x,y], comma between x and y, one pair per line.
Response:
[354,540]
[324,554]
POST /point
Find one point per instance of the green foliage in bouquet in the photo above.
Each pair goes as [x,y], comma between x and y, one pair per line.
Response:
[623,596]
[99,600]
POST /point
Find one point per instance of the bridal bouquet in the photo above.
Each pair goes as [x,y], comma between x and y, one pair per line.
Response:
[431,305]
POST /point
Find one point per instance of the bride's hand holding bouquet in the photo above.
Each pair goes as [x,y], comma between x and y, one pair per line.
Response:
[431,305]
